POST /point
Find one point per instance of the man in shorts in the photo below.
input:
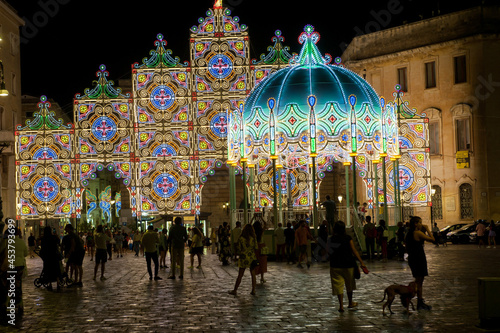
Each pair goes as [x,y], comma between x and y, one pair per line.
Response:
[75,254]
[118,237]
[101,255]
[302,236]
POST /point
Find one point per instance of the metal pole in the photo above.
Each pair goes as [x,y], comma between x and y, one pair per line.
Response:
[348,215]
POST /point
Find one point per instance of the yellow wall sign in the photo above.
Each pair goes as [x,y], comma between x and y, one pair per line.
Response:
[463,159]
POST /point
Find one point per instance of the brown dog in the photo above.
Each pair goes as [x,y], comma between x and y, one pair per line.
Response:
[406,293]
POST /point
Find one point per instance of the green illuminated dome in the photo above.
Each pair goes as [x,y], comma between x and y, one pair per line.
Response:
[333,85]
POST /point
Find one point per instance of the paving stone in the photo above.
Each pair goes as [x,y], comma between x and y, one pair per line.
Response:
[292,299]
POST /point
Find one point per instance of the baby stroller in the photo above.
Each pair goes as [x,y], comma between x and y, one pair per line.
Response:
[44,281]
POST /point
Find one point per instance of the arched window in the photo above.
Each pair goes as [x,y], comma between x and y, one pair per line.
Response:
[437,203]
[466,207]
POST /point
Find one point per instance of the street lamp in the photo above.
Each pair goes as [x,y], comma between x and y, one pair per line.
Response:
[3,92]
[433,191]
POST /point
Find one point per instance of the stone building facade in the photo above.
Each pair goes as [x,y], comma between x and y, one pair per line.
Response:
[10,106]
[447,67]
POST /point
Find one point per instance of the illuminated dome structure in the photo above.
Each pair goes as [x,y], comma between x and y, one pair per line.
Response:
[347,114]
[312,111]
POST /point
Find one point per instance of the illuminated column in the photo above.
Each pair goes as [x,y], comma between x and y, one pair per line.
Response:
[232,193]
[289,192]
[384,188]
[354,146]
[312,133]
[275,193]
[348,215]
[271,103]
[245,196]
[384,155]
[375,185]
[280,198]
[251,170]
[394,175]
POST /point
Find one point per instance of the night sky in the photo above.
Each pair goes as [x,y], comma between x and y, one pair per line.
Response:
[65,41]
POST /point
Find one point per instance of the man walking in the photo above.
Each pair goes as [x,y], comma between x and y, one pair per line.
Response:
[330,212]
[75,254]
[235,235]
[279,233]
[118,237]
[101,255]
[178,237]
[137,242]
[370,233]
[149,242]
[302,236]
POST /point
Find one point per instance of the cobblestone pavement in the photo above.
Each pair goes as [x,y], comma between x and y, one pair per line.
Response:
[291,300]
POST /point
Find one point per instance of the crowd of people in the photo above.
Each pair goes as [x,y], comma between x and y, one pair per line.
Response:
[243,245]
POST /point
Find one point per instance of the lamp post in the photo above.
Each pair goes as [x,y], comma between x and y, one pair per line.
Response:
[433,191]
[340,203]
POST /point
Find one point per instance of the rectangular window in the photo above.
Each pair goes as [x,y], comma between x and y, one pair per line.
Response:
[463,134]
[14,44]
[403,79]
[430,75]
[434,138]
[460,69]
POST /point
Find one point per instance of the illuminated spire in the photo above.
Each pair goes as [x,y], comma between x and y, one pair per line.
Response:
[310,55]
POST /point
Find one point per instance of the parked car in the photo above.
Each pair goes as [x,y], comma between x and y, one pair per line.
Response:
[449,228]
[461,236]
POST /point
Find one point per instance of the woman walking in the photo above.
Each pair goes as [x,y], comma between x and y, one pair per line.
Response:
[247,245]
[51,256]
[162,246]
[196,247]
[342,264]
[262,258]
[225,246]
[213,240]
[415,238]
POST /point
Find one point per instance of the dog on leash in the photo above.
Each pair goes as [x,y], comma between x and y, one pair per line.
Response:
[406,293]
